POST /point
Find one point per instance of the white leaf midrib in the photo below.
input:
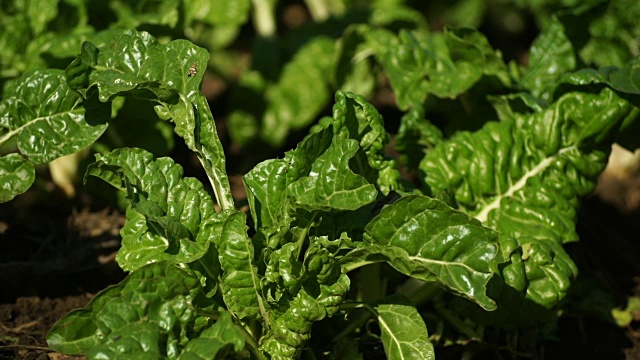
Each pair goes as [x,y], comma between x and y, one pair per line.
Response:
[483,215]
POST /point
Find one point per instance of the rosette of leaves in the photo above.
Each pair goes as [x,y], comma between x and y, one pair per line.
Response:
[200,285]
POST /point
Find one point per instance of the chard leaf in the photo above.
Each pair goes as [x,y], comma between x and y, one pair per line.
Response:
[354,157]
[612,29]
[219,341]
[151,312]
[523,177]
[323,291]
[551,56]
[426,239]
[16,176]
[404,333]
[291,103]
[171,217]
[355,118]
[445,65]
[239,283]
[134,64]
[331,185]
[48,118]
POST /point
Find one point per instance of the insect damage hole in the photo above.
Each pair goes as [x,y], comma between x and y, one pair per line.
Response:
[193,70]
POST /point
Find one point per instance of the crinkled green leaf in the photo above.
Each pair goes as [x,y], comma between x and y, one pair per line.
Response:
[283,272]
[523,177]
[551,55]
[146,12]
[219,341]
[16,176]
[134,64]
[171,217]
[48,118]
[324,290]
[292,103]
[239,283]
[331,185]
[445,65]
[326,174]
[404,333]
[152,311]
[426,239]
[304,201]
[355,118]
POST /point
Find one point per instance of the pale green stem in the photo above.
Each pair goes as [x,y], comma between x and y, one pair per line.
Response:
[303,235]
[318,9]
[264,18]
[352,266]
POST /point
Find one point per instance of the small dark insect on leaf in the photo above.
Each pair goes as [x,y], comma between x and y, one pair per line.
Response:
[193,70]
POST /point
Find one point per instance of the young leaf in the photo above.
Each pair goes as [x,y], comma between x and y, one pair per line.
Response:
[171,218]
[404,333]
[151,311]
[324,289]
[337,188]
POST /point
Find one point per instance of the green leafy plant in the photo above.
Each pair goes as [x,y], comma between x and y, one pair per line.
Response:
[201,285]
[334,239]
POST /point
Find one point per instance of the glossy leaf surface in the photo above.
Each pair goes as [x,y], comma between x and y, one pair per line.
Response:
[404,333]
[240,283]
[171,217]
[16,176]
[134,64]
[528,173]
[48,118]
[149,313]
[426,239]
[445,65]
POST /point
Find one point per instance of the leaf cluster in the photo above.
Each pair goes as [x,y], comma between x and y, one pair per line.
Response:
[477,239]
